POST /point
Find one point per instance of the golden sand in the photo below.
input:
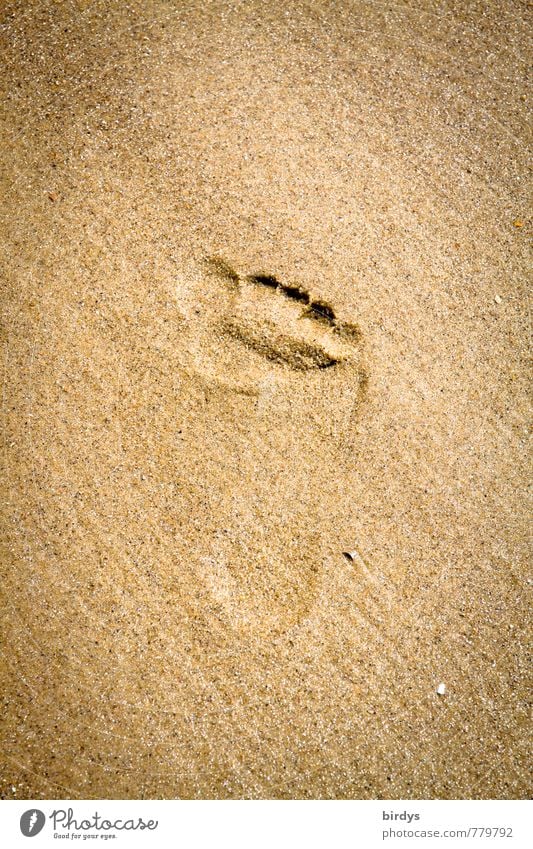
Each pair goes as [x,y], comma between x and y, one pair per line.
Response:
[263,303]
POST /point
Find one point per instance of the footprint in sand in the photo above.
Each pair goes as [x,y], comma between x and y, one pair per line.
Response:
[280,323]
[253,336]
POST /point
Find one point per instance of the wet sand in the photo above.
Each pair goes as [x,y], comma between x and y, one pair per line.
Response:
[264,304]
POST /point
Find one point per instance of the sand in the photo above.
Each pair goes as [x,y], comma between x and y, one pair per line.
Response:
[264,303]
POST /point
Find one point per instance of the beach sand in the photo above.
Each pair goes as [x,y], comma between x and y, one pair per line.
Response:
[264,399]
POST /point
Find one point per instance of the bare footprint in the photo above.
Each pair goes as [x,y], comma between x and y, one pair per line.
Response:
[252,336]
[279,322]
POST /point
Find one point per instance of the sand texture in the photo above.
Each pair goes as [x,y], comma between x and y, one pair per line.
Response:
[264,275]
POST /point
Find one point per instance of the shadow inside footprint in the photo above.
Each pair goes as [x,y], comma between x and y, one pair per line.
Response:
[279,347]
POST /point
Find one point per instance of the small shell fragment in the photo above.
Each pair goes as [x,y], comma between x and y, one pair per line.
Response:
[441,689]
[498,299]
[350,555]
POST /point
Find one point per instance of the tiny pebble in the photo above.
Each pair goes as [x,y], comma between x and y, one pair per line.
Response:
[497,299]
[441,689]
